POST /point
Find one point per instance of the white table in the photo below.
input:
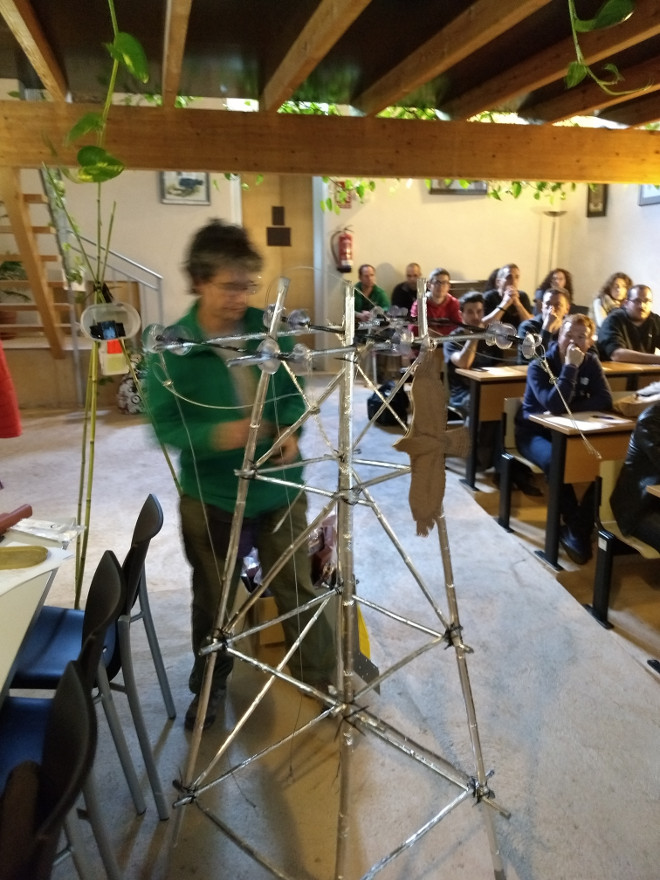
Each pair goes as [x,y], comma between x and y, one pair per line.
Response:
[22,593]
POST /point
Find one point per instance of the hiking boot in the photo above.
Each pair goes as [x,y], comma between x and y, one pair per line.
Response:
[215,698]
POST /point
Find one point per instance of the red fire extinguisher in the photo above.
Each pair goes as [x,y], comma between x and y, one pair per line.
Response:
[341,245]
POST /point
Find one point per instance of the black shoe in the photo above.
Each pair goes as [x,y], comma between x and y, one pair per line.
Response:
[577,549]
[527,486]
[215,698]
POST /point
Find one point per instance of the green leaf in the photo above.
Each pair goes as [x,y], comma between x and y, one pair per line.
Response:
[128,52]
[613,12]
[614,70]
[328,203]
[575,74]
[516,188]
[88,122]
[96,165]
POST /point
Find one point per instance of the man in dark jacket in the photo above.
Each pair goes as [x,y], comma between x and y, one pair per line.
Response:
[574,381]
[632,333]
[636,511]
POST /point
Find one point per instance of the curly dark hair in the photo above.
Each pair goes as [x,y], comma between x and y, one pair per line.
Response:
[218,245]
[605,289]
[546,284]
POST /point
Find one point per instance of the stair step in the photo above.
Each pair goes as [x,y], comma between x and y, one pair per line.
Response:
[16,258]
[37,230]
[30,306]
[24,284]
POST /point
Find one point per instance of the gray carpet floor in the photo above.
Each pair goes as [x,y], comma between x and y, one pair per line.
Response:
[568,719]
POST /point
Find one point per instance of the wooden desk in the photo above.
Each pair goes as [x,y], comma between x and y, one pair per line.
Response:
[630,377]
[22,593]
[489,386]
[573,462]
[654,490]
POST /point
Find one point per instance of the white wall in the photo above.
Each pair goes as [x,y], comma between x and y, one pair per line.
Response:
[398,223]
[626,240]
[149,232]
[470,235]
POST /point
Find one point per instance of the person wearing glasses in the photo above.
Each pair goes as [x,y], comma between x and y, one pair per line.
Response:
[443,311]
[201,406]
[631,334]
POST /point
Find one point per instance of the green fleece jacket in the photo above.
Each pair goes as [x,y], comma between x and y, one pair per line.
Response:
[188,395]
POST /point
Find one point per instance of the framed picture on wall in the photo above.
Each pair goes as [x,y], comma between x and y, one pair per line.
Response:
[185,188]
[597,200]
[649,194]
[445,187]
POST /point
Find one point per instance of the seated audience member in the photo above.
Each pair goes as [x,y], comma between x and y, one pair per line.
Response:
[632,333]
[636,511]
[506,303]
[556,305]
[611,296]
[557,278]
[473,353]
[405,293]
[576,380]
[441,306]
[367,293]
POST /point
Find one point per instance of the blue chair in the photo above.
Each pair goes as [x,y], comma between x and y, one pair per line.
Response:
[24,720]
[39,797]
[58,633]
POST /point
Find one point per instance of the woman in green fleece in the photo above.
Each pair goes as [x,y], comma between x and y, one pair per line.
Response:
[202,407]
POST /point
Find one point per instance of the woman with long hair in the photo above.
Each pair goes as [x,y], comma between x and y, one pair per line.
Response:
[611,296]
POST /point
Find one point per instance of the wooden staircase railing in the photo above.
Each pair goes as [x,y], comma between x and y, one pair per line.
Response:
[48,297]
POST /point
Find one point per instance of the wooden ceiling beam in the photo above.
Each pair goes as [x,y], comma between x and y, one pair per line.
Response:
[330,20]
[587,98]
[177,16]
[24,25]
[643,111]
[160,138]
[480,24]
[551,64]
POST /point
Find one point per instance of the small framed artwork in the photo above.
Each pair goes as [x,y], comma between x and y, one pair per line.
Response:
[649,194]
[597,200]
[185,188]
[445,187]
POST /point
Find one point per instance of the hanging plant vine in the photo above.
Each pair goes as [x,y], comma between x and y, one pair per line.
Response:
[612,12]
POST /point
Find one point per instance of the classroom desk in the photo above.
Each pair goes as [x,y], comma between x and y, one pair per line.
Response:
[572,461]
[630,377]
[489,386]
[22,593]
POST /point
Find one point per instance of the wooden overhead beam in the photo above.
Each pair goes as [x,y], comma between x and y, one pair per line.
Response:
[551,64]
[330,20]
[480,24]
[177,16]
[219,140]
[640,112]
[585,99]
[25,27]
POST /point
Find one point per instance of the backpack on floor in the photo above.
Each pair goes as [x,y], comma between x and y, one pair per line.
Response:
[400,403]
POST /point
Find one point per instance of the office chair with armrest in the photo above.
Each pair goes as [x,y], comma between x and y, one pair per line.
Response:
[39,798]
[59,632]
[23,720]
